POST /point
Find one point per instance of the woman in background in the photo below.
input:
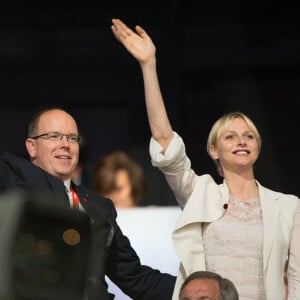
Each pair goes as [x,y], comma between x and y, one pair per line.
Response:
[120,178]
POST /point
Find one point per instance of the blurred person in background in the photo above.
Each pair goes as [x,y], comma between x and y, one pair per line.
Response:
[119,177]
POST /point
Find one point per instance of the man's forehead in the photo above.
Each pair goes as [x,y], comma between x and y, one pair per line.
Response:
[56,120]
[201,289]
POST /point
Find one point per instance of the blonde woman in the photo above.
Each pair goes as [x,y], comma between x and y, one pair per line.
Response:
[238,229]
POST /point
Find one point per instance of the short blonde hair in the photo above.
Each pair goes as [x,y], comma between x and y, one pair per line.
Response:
[220,125]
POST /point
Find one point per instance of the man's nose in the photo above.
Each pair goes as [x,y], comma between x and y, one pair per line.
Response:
[65,140]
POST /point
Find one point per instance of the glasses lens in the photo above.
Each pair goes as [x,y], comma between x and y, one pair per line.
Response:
[73,138]
[54,136]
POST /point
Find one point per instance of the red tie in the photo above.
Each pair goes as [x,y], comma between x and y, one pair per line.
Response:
[75,198]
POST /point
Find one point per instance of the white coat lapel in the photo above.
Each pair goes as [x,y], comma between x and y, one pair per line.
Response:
[205,204]
[270,219]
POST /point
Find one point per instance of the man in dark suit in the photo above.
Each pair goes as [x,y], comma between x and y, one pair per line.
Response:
[53,147]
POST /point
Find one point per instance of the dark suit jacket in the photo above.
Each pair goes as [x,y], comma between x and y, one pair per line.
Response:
[111,252]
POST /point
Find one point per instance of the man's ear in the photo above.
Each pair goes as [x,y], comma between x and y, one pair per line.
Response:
[31,147]
[213,152]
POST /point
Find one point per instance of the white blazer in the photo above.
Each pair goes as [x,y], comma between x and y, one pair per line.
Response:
[294,258]
[202,200]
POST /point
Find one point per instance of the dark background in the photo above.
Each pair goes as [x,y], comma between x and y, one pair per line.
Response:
[213,57]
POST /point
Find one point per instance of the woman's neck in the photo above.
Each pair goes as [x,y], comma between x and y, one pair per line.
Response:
[242,186]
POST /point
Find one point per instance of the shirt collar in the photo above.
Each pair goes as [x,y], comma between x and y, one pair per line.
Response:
[67,184]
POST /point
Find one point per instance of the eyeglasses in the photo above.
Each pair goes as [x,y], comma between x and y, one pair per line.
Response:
[58,136]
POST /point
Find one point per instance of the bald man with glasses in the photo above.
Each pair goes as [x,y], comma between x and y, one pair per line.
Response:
[53,147]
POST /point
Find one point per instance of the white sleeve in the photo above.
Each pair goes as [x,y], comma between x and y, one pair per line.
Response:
[176,167]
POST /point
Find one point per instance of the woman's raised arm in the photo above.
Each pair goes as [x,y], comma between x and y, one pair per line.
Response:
[139,44]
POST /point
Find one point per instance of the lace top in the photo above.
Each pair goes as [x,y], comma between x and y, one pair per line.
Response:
[233,247]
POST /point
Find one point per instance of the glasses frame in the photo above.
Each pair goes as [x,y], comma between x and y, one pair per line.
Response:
[60,136]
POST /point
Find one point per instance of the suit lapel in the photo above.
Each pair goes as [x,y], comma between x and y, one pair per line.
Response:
[58,190]
[86,201]
[103,226]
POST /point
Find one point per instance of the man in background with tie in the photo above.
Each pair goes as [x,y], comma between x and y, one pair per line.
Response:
[53,146]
